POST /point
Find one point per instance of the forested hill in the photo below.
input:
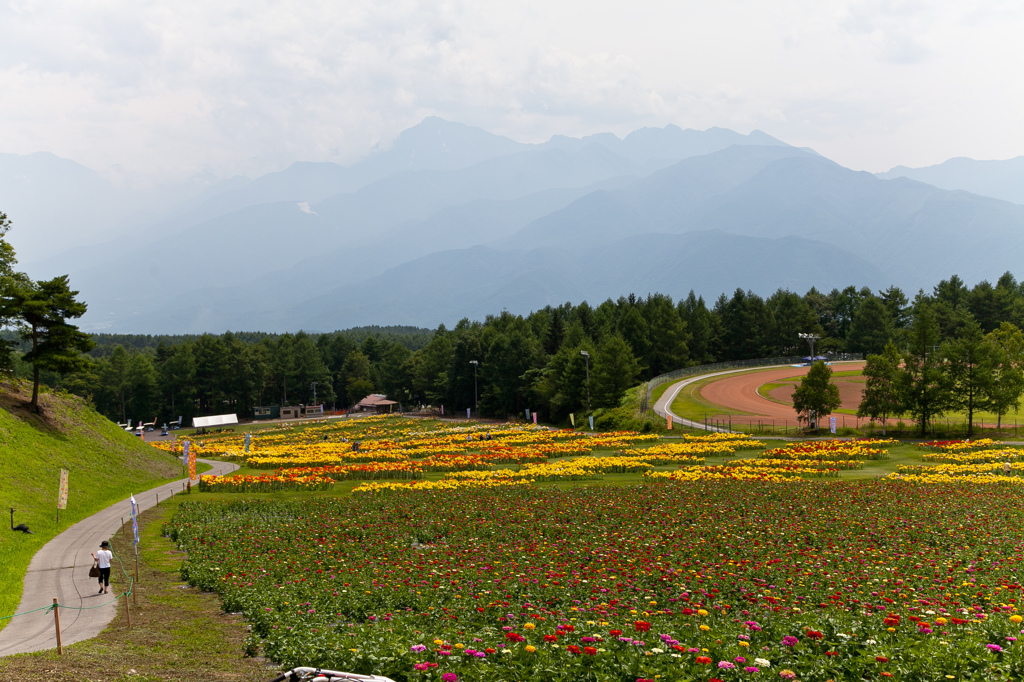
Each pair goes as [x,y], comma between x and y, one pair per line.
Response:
[534,361]
[412,338]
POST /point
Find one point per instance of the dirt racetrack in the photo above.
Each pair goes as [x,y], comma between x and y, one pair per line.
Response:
[739,392]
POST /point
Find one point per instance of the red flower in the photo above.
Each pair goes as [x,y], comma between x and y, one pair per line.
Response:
[814,634]
[589,650]
[881,659]
[615,633]
[514,637]
[642,626]
[550,638]
[704,660]
[572,649]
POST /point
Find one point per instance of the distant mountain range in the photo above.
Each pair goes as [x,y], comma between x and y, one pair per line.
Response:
[451,221]
[998,179]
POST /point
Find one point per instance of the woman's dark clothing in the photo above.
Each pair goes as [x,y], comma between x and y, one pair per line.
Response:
[105,576]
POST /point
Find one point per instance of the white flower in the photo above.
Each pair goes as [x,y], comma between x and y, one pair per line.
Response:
[658,651]
[763,662]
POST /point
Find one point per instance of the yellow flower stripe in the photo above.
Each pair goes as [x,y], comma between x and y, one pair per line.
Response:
[979,457]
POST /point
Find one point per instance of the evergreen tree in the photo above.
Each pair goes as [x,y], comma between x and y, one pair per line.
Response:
[882,397]
[968,371]
[871,329]
[43,310]
[922,378]
[613,372]
[1007,347]
[816,396]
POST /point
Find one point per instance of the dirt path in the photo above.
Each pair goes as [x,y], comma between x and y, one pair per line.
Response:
[60,569]
[740,392]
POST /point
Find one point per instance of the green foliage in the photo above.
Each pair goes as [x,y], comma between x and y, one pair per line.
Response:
[105,465]
[883,396]
[816,396]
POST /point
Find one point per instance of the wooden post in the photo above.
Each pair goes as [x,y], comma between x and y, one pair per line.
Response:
[56,624]
[128,614]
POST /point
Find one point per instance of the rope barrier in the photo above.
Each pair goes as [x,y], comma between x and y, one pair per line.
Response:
[49,609]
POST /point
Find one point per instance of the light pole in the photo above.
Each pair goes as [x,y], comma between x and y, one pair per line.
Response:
[313,386]
[586,359]
[811,338]
[476,395]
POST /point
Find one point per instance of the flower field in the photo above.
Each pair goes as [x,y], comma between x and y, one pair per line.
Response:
[675,580]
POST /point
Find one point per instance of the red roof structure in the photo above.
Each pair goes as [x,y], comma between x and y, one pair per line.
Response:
[375,402]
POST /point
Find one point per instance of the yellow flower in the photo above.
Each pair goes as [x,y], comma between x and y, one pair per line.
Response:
[743,643]
[941,621]
[705,628]
[1014,619]
[530,649]
[438,642]
[702,612]
[529,626]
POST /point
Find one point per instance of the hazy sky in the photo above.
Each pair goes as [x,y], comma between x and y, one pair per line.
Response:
[174,88]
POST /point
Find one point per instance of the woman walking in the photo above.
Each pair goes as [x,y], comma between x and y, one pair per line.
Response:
[102,559]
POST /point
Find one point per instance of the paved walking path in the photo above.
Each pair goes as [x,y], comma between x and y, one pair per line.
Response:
[61,569]
[663,405]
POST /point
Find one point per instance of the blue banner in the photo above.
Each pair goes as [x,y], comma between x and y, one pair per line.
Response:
[591,423]
[248,439]
[135,520]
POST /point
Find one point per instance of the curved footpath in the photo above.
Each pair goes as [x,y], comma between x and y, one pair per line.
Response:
[61,569]
[663,405]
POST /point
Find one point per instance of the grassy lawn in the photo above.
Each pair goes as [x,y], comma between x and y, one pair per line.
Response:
[105,464]
[177,632]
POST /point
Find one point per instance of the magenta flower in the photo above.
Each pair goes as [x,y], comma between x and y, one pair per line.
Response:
[994,648]
[450,677]
[789,640]
[725,665]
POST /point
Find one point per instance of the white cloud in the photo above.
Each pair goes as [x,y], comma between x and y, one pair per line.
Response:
[175,88]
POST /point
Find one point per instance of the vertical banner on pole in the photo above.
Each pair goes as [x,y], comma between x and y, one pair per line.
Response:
[467,412]
[191,462]
[534,417]
[591,423]
[135,519]
[527,414]
[832,425]
[442,410]
[62,492]
[572,420]
[248,439]
[668,424]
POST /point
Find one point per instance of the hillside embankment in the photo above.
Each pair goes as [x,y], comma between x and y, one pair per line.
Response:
[105,465]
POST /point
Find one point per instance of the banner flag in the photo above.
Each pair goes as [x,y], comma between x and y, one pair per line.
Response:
[534,417]
[62,492]
[572,419]
[135,519]
[467,412]
[248,439]
[669,425]
[527,414]
[191,462]
[442,410]
[832,424]
[591,423]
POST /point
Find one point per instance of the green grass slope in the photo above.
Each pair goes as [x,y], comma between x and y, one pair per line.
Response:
[105,464]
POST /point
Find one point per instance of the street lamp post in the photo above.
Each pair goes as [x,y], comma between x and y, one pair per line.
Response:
[476,394]
[313,386]
[586,358]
